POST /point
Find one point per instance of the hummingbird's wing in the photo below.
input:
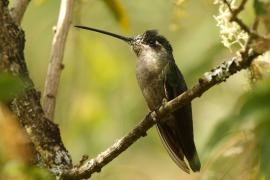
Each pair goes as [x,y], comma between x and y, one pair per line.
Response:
[177,133]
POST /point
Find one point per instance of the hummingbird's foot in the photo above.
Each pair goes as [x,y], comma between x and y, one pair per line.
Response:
[164,101]
[150,116]
[153,115]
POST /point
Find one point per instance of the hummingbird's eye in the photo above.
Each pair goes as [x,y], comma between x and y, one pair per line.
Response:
[152,42]
[155,45]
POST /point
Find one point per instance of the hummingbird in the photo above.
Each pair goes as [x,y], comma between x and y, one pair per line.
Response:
[160,80]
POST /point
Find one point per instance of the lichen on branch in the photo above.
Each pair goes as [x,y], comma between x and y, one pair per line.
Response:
[44,134]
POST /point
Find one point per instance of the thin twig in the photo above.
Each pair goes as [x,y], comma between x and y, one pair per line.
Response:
[210,79]
[55,65]
[234,14]
[46,135]
[43,133]
[240,7]
[228,5]
[255,23]
[252,32]
[234,18]
[18,10]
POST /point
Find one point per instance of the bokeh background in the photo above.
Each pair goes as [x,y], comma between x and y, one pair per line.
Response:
[99,100]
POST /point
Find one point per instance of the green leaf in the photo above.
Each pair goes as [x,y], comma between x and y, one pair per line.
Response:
[256,106]
[263,133]
[258,101]
[259,7]
[10,86]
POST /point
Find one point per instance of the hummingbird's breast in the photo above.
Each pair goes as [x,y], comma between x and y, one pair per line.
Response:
[150,78]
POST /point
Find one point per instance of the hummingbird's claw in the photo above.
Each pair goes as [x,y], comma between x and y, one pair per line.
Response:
[164,101]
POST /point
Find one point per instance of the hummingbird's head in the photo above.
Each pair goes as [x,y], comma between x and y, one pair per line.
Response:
[151,42]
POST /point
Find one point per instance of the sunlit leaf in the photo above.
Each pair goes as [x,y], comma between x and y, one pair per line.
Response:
[119,12]
[10,86]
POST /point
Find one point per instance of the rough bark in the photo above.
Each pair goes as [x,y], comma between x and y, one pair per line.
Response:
[44,134]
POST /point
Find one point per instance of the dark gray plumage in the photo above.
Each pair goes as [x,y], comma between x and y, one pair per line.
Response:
[159,78]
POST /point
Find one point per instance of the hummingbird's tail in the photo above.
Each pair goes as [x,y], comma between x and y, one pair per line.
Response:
[173,149]
[194,162]
[177,148]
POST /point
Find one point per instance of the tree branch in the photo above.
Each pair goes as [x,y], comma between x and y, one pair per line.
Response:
[240,7]
[44,134]
[217,75]
[18,10]
[57,52]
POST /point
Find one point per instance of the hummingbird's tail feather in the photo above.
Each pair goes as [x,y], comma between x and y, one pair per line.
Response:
[194,162]
[178,149]
[173,148]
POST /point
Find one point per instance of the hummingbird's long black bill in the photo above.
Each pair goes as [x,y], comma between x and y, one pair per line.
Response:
[126,39]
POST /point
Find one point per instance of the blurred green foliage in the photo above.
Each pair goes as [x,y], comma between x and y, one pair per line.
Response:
[11,86]
[259,7]
[119,12]
[254,111]
[13,169]
[99,100]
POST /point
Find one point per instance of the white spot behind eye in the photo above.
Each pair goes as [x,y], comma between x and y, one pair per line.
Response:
[157,43]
